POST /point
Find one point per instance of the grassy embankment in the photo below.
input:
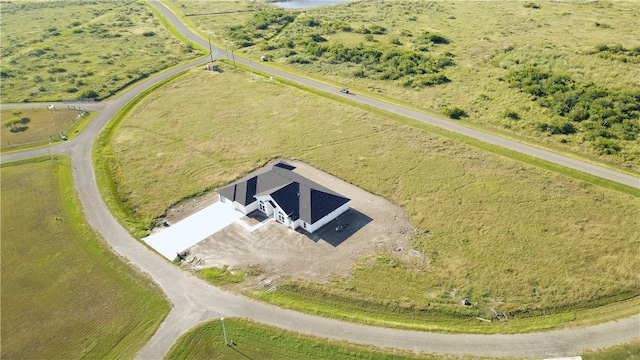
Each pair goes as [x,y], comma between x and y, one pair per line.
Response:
[39,127]
[64,294]
[543,247]
[92,51]
[265,342]
[439,56]
[254,340]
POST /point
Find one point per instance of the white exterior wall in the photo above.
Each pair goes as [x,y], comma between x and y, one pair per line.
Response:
[298,224]
[237,206]
[269,210]
[273,212]
[251,207]
[325,220]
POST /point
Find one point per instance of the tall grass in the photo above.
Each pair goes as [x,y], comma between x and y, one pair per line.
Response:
[502,233]
[64,294]
[264,342]
[59,50]
[620,352]
[591,42]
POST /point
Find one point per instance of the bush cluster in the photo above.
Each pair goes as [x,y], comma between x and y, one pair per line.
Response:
[260,26]
[455,112]
[600,112]
[417,69]
[619,53]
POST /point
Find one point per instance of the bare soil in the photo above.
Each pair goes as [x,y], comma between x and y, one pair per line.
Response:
[372,226]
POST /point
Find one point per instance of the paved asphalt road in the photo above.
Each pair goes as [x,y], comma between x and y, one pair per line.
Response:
[195,301]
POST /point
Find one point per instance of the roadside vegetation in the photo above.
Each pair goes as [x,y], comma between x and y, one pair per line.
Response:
[253,340]
[620,352]
[29,127]
[260,341]
[64,294]
[508,236]
[56,50]
[461,58]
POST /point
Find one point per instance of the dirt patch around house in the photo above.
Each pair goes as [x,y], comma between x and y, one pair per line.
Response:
[371,226]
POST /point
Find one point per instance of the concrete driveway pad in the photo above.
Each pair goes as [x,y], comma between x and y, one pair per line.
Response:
[180,236]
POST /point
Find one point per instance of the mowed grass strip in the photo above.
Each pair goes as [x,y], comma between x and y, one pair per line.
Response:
[620,352]
[256,341]
[264,342]
[57,50]
[504,234]
[64,294]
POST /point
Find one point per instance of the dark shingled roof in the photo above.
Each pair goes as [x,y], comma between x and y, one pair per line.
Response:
[298,196]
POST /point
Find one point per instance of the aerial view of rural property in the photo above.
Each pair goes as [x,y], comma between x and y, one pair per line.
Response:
[320,179]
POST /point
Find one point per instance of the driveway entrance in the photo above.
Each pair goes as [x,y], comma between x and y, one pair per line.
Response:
[193,229]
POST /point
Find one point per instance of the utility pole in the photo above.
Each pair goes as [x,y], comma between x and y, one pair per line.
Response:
[251,63]
[234,59]
[210,52]
[224,331]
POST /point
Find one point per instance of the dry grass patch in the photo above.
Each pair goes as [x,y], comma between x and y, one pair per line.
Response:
[505,234]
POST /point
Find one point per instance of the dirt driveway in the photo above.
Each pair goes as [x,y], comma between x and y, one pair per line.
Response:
[371,226]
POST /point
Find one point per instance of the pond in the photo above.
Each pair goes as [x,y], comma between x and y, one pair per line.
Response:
[301,4]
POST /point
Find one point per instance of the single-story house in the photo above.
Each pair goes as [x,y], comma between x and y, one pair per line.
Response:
[288,197]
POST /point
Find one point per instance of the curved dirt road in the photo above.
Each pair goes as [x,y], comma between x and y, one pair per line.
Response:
[194,301]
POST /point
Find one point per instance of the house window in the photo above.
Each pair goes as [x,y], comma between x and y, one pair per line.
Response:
[304,224]
[262,207]
[281,217]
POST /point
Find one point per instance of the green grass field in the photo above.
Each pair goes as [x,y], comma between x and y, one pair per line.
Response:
[255,341]
[54,50]
[264,342]
[629,351]
[64,294]
[38,126]
[511,236]
[591,43]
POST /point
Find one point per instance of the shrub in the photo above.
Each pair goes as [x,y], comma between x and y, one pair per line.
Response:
[148,33]
[510,114]
[309,21]
[607,146]
[433,38]
[531,5]
[88,94]
[375,29]
[56,69]
[298,60]
[455,112]
[359,73]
